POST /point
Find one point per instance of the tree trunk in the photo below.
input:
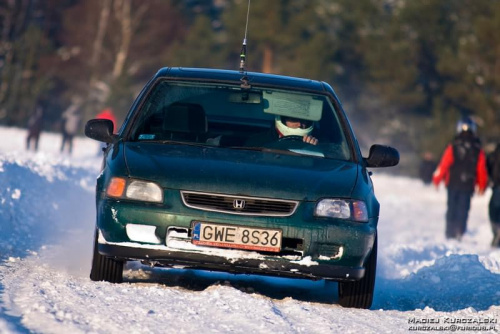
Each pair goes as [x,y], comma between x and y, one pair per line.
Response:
[101,32]
[268,60]
[102,27]
[123,16]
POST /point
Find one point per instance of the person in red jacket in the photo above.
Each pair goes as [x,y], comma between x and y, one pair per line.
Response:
[463,169]
[107,113]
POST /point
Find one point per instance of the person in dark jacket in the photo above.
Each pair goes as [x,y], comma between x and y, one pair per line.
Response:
[493,164]
[35,124]
[462,168]
[427,167]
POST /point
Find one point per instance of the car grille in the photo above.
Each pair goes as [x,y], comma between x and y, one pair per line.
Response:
[238,205]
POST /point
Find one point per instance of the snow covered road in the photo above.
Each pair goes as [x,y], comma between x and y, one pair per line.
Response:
[46,226]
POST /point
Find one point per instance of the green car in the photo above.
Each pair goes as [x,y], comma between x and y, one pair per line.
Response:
[238,172]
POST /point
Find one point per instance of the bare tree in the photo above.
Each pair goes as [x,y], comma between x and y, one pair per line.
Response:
[122,12]
[98,45]
[128,25]
[101,32]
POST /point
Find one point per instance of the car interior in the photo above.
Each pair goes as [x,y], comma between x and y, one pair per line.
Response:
[223,117]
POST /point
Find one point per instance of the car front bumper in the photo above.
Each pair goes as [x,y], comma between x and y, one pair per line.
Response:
[272,267]
[326,249]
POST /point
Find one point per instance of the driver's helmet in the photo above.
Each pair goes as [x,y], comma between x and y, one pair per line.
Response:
[466,124]
[305,128]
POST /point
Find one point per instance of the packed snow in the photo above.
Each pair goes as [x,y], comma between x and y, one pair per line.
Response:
[424,282]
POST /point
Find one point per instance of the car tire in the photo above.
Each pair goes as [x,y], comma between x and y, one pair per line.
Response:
[359,294]
[105,268]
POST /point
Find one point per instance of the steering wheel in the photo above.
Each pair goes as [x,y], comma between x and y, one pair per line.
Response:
[291,138]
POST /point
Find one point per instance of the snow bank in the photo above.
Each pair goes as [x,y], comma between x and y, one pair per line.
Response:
[46,224]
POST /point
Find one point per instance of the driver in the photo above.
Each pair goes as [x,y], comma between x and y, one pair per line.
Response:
[289,126]
[284,127]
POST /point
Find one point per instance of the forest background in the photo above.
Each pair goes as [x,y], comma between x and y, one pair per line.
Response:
[406,71]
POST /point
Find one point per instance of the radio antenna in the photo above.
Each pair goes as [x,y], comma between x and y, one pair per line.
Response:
[243,53]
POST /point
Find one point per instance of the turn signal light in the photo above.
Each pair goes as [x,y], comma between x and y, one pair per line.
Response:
[116,187]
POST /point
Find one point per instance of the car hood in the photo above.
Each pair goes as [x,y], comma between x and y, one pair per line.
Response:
[240,172]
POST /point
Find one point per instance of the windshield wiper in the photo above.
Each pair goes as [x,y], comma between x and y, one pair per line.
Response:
[188,143]
[175,142]
[264,149]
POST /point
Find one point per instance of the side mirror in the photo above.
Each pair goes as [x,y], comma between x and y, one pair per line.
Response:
[100,130]
[382,156]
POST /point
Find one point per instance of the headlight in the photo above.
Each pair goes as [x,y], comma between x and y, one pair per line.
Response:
[144,191]
[343,209]
[135,189]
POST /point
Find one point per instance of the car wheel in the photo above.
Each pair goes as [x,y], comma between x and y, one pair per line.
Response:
[359,294]
[105,268]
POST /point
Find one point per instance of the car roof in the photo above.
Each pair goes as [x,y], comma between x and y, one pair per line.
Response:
[254,78]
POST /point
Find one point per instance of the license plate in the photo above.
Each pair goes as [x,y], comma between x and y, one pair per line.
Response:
[232,236]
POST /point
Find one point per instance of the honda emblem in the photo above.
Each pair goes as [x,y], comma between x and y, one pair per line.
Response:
[239,204]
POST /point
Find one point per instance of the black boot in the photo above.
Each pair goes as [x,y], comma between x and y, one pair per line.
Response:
[496,235]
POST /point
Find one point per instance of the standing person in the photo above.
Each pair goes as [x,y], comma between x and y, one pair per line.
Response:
[107,113]
[70,124]
[493,164]
[427,167]
[462,167]
[35,124]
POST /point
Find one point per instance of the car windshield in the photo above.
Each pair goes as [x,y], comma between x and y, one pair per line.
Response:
[241,118]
